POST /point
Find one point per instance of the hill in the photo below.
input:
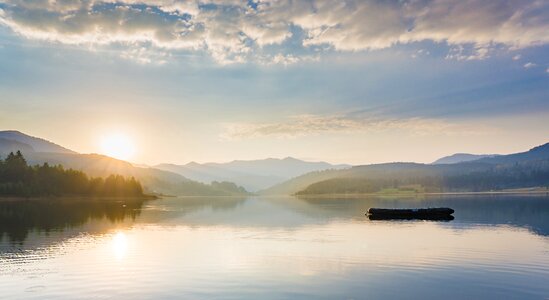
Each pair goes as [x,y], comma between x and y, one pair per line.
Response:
[96,165]
[36,144]
[535,154]
[207,173]
[460,157]
[254,175]
[7,146]
[298,183]
[18,179]
[525,169]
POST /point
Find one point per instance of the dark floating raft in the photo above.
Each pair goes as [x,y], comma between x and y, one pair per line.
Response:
[433,214]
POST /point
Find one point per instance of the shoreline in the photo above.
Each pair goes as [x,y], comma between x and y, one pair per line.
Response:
[535,192]
[78,198]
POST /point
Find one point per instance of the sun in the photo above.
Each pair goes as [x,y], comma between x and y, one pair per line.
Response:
[118,145]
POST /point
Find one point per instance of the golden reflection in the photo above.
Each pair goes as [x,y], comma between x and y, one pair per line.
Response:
[120,245]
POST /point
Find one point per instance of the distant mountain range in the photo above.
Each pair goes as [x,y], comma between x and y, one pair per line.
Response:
[525,169]
[39,151]
[455,173]
[254,175]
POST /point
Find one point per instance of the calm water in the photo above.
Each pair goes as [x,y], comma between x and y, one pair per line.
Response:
[259,248]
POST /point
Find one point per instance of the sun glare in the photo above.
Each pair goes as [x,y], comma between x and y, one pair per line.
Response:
[118,146]
[120,244]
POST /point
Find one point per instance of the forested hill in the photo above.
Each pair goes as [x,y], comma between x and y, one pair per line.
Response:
[520,170]
[38,151]
[17,178]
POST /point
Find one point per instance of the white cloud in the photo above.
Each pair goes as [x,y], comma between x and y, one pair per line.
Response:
[232,31]
[305,125]
[517,57]
[529,65]
[145,55]
[459,52]
[285,59]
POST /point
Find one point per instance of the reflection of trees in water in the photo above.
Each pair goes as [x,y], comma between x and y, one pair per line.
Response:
[171,208]
[215,203]
[529,211]
[18,218]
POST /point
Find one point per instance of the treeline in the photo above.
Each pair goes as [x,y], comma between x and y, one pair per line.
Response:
[17,178]
[19,218]
[493,178]
[517,175]
[369,186]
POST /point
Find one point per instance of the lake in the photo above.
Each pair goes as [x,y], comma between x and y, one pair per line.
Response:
[497,247]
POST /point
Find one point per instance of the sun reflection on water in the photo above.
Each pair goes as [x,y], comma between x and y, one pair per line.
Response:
[120,245]
[322,251]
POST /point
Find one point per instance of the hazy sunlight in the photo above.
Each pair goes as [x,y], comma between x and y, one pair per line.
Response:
[118,145]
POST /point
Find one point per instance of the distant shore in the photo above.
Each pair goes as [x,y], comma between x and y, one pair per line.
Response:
[503,192]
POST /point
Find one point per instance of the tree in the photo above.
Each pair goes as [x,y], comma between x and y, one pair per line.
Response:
[19,179]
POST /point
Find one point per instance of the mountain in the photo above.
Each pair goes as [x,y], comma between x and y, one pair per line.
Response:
[154,180]
[525,169]
[36,144]
[253,175]
[39,151]
[460,157]
[294,185]
[7,146]
[207,173]
[284,168]
[535,154]
[374,171]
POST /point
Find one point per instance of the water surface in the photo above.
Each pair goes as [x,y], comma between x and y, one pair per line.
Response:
[497,247]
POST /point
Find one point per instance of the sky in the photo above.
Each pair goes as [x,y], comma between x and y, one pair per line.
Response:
[341,81]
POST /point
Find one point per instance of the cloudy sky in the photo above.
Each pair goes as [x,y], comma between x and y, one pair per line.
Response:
[342,81]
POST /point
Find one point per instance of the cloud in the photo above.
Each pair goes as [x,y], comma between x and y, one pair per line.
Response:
[420,52]
[529,65]
[241,31]
[306,125]
[461,52]
[144,55]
